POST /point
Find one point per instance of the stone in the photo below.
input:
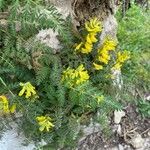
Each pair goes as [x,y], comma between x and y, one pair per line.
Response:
[11,140]
[109,28]
[119,130]
[113,148]
[49,37]
[118,115]
[137,141]
[120,147]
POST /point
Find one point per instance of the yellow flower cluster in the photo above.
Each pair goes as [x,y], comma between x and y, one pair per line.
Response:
[103,53]
[44,123]
[75,76]
[28,89]
[92,27]
[4,105]
[121,58]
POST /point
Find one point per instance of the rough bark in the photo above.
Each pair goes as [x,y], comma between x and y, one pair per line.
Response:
[82,10]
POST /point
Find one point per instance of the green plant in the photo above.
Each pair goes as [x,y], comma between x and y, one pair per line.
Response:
[133,29]
[144,108]
[133,35]
[55,92]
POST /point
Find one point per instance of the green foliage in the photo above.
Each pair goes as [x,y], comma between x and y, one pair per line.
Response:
[144,108]
[133,30]
[134,36]
[24,59]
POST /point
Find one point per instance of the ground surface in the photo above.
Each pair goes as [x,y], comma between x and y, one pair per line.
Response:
[11,140]
[132,124]
[133,132]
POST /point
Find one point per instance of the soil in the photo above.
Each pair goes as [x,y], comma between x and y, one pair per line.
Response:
[131,125]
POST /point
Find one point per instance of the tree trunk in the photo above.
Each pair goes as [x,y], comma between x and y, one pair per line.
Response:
[82,10]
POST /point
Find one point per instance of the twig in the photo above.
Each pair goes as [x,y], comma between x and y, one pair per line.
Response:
[127,133]
[145,131]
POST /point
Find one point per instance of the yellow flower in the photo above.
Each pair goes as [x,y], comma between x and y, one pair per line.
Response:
[117,66]
[88,39]
[103,60]
[75,76]
[80,68]
[85,51]
[88,46]
[105,56]
[103,52]
[79,46]
[100,99]
[44,123]
[79,81]
[28,89]
[13,108]
[93,26]
[83,76]
[91,38]
[109,44]
[121,58]
[97,67]
[4,105]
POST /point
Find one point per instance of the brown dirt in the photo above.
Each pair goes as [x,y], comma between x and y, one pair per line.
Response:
[131,124]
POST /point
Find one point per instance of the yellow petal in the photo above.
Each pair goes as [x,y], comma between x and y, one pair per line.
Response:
[94,22]
[88,39]
[85,51]
[97,67]
[88,46]
[93,38]
[47,128]
[80,68]
[79,46]
[50,124]
[41,118]
[117,66]
[100,99]
[2,97]
[41,128]
[105,56]
[93,25]
[13,108]
[28,94]
[33,91]
[22,91]
[101,59]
